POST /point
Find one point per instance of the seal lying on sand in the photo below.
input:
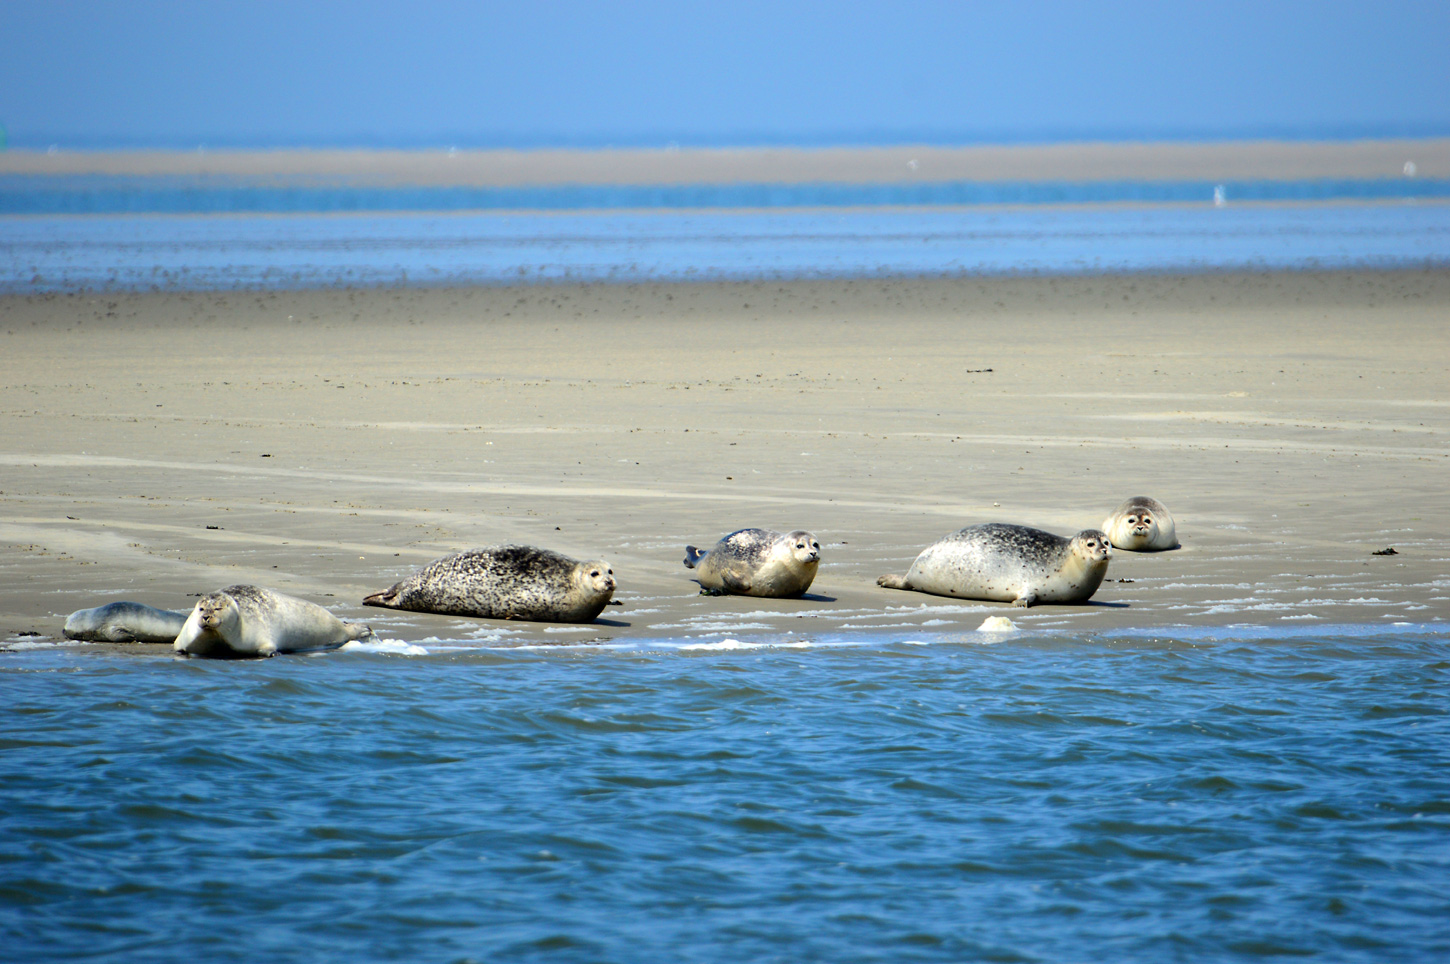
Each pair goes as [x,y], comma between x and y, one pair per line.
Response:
[124,622]
[1142,525]
[758,562]
[1008,563]
[241,621]
[505,582]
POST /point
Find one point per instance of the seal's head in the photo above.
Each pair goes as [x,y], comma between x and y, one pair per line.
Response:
[805,548]
[1092,547]
[1139,525]
[217,612]
[596,578]
[1142,524]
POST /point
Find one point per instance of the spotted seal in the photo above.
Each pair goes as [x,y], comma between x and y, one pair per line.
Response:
[505,582]
[242,621]
[1141,525]
[124,622]
[758,562]
[1009,563]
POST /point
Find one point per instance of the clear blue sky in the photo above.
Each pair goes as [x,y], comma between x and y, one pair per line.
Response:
[87,73]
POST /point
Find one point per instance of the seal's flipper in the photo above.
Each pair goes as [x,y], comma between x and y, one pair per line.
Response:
[383,600]
[736,582]
[693,557]
[893,582]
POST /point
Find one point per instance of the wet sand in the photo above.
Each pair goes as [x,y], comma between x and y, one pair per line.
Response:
[158,446]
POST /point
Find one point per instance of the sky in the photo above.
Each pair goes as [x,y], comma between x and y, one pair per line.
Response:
[369,73]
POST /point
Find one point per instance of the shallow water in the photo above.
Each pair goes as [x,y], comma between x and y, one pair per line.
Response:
[140,252]
[213,194]
[1214,794]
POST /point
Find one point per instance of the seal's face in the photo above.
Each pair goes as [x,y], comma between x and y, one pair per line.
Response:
[1140,524]
[597,577]
[1092,547]
[805,548]
[216,610]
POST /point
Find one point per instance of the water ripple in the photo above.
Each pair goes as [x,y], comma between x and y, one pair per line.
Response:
[1044,798]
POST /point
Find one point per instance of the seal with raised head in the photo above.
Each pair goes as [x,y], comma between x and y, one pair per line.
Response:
[758,562]
[124,622]
[1009,563]
[505,582]
[1141,524]
[244,621]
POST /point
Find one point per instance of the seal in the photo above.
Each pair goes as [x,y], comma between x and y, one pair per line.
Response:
[124,622]
[758,562]
[1141,525]
[505,582]
[245,621]
[1009,563]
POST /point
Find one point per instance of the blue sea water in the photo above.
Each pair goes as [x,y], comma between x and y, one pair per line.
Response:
[68,232]
[153,194]
[1208,795]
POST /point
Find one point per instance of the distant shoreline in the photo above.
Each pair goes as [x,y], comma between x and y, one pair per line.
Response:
[1082,162]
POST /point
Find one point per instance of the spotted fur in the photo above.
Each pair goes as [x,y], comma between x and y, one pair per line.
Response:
[758,562]
[1009,563]
[505,582]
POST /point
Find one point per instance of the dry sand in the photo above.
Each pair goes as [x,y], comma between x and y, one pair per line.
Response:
[157,446]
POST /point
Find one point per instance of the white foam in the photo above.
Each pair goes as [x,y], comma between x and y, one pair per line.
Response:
[23,643]
[735,644]
[392,647]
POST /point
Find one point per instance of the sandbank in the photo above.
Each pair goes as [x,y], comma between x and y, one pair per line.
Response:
[1078,162]
[161,445]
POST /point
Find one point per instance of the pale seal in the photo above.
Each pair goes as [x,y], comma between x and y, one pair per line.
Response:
[242,621]
[124,622]
[1141,525]
[1009,563]
[505,582]
[758,562]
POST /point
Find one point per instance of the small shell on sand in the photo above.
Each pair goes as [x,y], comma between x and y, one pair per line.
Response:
[997,624]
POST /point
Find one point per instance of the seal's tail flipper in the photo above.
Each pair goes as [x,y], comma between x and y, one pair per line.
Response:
[693,556]
[383,600]
[893,582]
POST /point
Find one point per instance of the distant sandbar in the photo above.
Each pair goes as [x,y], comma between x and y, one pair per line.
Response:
[1239,160]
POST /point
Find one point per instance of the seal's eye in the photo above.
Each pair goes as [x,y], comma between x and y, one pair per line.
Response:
[800,545]
[594,573]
